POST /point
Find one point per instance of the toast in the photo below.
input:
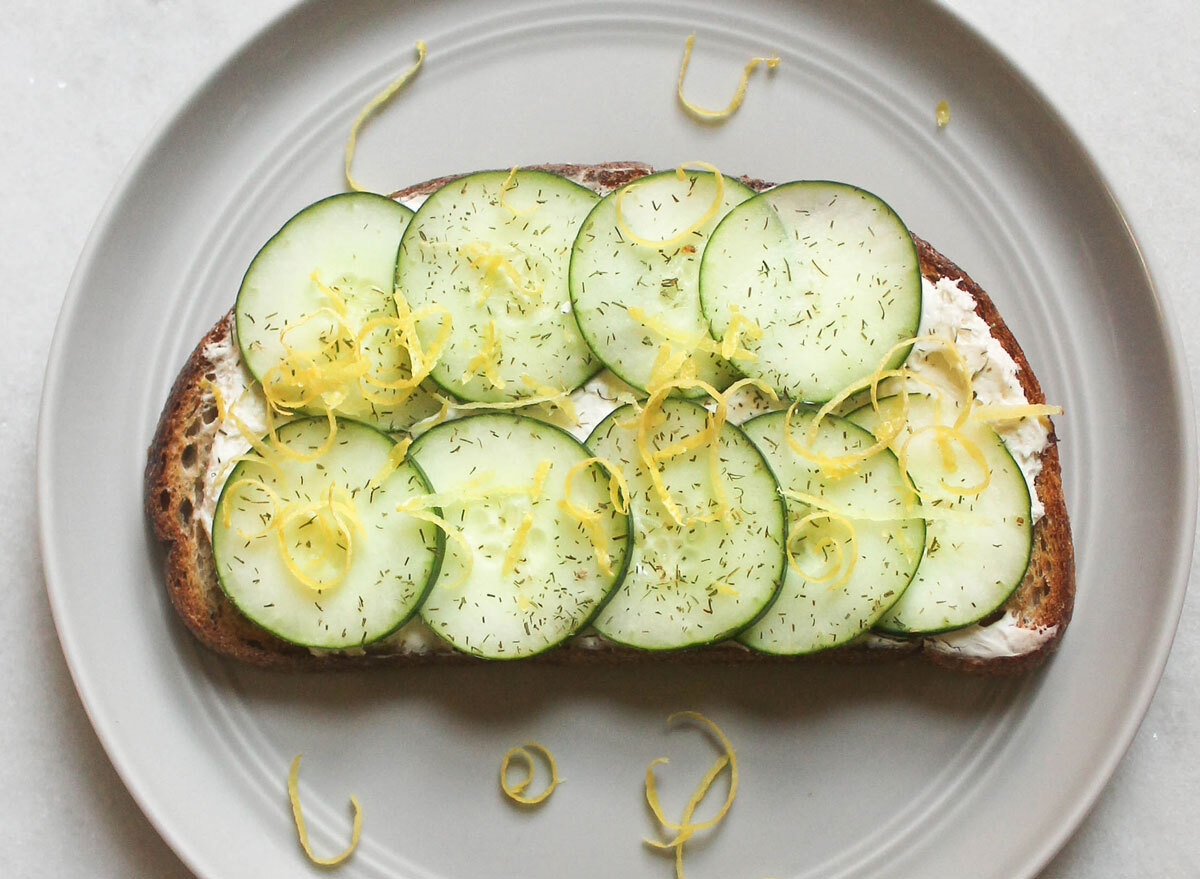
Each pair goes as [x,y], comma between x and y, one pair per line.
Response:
[1021,636]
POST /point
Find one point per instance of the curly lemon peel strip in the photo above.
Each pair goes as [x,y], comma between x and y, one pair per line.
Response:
[370,384]
[341,511]
[421,362]
[346,519]
[518,545]
[252,458]
[836,466]
[717,422]
[728,755]
[293,786]
[909,376]
[660,489]
[283,384]
[944,434]
[826,543]
[477,489]
[911,553]
[339,302]
[484,258]
[821,547]
[299,381]
[428,359]
[539,478]
[341,529]
[487,359]
[596,536]
[718,200]
[728,347]
[276,504]
[652,799]
[510,183]
[669,365]
[371,107]
[519,539]
[394,459]
[279,448]
[655,323]
[739,325]
[739,94]
[888,429]
[729,752]
[618,488]
[618,492]
[650,416]
[872,382]
[671,371]
[556,397]
[758,384]
[950,350]
[225,412]
[685,829]
[693,441]
[413,509]
[516,792]
[473,490]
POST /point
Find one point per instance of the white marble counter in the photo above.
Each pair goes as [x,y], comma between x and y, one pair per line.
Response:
[84,81]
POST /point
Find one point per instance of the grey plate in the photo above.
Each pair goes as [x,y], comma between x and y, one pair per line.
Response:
[893,771]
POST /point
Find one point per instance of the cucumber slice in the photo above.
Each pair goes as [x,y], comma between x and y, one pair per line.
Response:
[553,585]
[830,275]
[610,272]
[350,241]
[976,558]
[502,273]
[392,558]
[815,614]
[696,584]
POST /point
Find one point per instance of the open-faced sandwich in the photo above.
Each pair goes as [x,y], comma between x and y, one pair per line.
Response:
[597,414]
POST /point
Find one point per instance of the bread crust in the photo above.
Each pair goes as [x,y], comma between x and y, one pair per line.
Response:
[182,445]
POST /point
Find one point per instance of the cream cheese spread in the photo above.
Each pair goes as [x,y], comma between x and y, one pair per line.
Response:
[948,311]
[1005,637]
[241,393]
[414,637]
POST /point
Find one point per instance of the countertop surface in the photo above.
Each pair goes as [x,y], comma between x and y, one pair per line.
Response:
[85,81]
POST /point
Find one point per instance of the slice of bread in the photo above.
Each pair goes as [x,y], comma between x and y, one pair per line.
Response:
[1022,635]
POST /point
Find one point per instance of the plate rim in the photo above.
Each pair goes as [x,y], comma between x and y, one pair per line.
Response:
[1185,400]
[181,105]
